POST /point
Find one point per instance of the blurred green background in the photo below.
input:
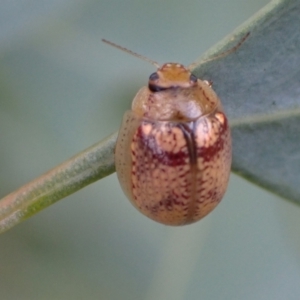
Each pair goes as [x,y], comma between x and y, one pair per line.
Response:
[62,90]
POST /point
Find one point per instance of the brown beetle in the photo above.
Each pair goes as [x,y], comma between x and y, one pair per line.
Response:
[173,153]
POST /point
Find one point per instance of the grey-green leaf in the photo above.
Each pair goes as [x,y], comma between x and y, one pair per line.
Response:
[74,174]
[259,87]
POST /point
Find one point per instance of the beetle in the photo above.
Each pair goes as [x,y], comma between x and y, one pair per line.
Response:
[173,153]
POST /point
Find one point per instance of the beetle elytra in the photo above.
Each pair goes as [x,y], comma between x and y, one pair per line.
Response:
[173,153]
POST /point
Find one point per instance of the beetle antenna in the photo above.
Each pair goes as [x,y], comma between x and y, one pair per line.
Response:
[225,53]
[132,53]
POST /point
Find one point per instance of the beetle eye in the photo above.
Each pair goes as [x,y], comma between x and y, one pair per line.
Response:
[153,76]
[193,78]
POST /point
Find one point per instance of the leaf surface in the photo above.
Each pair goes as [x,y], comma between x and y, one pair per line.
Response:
[259,88]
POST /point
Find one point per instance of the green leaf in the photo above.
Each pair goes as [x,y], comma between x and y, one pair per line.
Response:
[85,168]
[258,85]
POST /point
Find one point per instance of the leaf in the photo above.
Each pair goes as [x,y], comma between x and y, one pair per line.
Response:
[258,85]
[260,90]
[85,168]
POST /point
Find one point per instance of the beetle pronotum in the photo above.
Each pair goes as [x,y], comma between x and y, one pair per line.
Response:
[173,153]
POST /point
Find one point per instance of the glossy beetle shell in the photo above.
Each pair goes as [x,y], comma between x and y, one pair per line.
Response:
[173,153]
